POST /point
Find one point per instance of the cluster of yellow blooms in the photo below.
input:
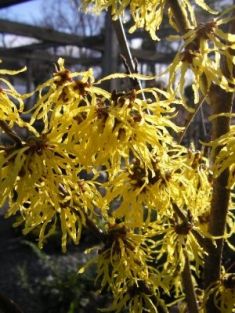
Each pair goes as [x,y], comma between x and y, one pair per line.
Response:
[162,190]
[146,14]
[204,46]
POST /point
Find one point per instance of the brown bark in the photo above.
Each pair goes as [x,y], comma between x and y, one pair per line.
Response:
[221,102]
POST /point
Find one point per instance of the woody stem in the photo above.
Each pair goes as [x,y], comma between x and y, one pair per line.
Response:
[189,291]
[125,50]
[10,133]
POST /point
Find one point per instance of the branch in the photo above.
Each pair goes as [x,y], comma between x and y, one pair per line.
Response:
[186,275]
[124,47]
[95,230]
[179,212]
[8,306]
[191,118]
[10,133]
[189,291]
[125,50]
[179,16]
[202,241]
[221,103]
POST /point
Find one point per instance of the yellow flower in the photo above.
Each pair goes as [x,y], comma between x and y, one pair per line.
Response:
[123,259]
[111,126]
[11,102]
[138,298]
[40,180]
[126,266]
[226,155]
[145,14]
[195,182]
[223,293]
[140,191]
[176,176]
[102,127]
[64,91]
[201,55]
[177,236]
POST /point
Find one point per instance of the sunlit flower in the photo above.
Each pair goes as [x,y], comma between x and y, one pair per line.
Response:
[176,176]
[126,266]
[163,189]
[64,91]
[145,14]
[201,56]
[40,180]
[113,126]
[178,235]
[225,158]
[11,101]
[123,259]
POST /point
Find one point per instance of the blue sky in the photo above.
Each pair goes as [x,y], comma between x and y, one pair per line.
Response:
[26,12]
[36,12]
[30,11]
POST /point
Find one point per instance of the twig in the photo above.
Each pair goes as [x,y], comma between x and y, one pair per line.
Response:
[203,121]
[124,47]
[203,242]
[179,17]
[189,291]
[8,306]
[131,64]
[222,103]
[191,118]
[179,212]
[95,230]
[11,133]
[128,70]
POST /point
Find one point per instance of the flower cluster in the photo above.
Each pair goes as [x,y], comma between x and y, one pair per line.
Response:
[153,204]
[201,55]
[226,155]
[223,292]
[145,14]
[50,177]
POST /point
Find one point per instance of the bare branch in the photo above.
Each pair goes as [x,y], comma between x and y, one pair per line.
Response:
[11,133]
